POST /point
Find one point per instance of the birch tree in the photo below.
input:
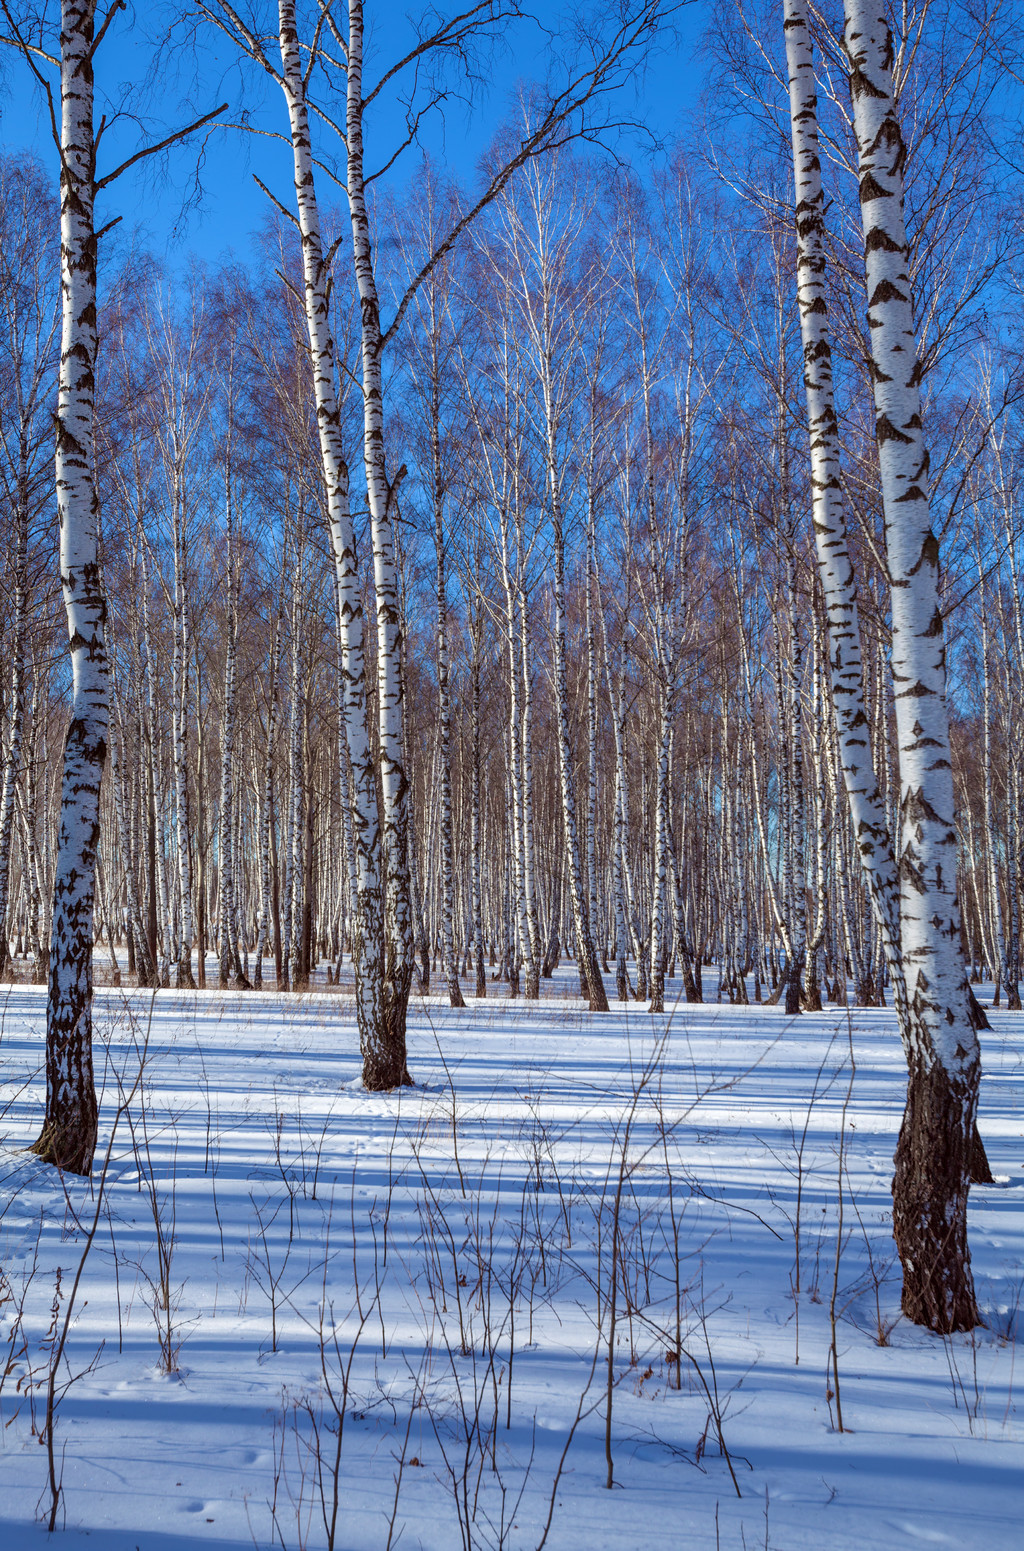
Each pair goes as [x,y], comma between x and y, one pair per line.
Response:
[68,1135]
[542,220]
[430,360]
[933,1154]
[28,330]
[828,518]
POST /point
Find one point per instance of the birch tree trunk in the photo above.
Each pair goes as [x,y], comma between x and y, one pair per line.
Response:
[1014,668]
[820,828]
[349,879]
[16,713]
[68,1136]
[381,1068]
[138,942]
[592,680]
[476,829]
[933,1154]
[296,771]
[828,519]
[29,319]
[796,872]
[266,801]
[180,699]
[451,966]
[387,1069]
[991,846]
[531,935]
[230,973]
[590,973]
[659,901]
[616,701]
[27,814]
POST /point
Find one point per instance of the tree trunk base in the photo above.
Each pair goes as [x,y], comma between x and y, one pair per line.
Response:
[384,1049]
[812,997]
[381,1076]
[865,992]
[69,1147]
[794,996]
[929,1189]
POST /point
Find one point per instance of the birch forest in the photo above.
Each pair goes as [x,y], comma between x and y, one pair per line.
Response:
[595,582]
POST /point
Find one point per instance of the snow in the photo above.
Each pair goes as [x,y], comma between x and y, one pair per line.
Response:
[289,1198]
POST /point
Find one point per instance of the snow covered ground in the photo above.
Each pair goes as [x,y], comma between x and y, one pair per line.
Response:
[440,1268]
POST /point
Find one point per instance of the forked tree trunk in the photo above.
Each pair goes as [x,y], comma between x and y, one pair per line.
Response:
[68,1136]
[835,568]
[934,1151]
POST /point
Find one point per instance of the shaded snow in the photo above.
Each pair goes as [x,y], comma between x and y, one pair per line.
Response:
[269,1164]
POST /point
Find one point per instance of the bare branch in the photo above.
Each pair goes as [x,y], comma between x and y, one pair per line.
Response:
[161,145]
[451,35]
[554,129]
[118,5]
[289,214]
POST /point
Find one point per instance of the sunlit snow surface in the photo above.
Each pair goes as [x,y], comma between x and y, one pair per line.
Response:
[250,1131]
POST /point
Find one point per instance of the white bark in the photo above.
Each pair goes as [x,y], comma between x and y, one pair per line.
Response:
[230,962]
[531,936]
[933,1163]
[390,1053]
[16,712]
[370,1001]
[835,567]
[68,1137]
[180,701]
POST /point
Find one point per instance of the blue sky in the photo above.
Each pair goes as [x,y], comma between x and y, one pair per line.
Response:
[163,92]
